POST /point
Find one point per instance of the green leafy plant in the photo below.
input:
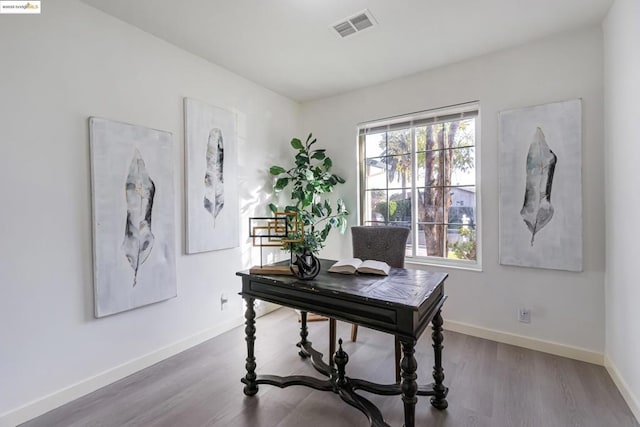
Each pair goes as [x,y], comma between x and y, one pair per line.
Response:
[309,181]
[465,248]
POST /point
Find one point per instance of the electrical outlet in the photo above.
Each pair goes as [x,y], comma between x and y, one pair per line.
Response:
[524,315]
[223,301]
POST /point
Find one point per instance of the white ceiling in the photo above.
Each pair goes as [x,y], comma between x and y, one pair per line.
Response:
[289,47]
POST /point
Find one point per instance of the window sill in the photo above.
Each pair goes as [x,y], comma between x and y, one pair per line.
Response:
[444,263]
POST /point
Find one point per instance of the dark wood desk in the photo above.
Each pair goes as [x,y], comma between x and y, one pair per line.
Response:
[402,304]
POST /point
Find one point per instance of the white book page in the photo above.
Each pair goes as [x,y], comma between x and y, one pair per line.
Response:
[346,266]
[374,267]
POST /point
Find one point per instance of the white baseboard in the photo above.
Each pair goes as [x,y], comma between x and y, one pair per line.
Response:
[627,394]
[550,347]
[58,398]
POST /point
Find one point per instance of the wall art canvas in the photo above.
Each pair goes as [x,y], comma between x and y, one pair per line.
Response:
[211,177]
[132,171]
[541,186]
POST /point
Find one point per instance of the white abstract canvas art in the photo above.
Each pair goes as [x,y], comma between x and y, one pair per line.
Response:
[132,171]
[211,177]
[541,186]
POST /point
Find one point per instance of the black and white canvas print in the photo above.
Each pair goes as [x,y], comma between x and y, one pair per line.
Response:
[541,186]
[212,193]
[133,216]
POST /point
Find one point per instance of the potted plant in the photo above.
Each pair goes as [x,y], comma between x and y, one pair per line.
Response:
[310,180]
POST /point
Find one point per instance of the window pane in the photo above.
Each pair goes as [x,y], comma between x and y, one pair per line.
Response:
[400,207]
[430,137]
[409,250]
[399,142]
[463,166]
[431,205]
[462,243]
[421,245]
[430,165]
[376,206]
[463,203]
[465,134]
[431,240]
[375,145]
[376,173]
[398,171]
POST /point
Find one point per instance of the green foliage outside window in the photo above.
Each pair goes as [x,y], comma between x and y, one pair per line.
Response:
[465,247]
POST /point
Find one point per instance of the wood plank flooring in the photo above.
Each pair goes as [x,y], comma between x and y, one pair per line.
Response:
[491,385]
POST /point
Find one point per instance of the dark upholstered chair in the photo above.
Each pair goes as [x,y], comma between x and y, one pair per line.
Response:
[380,243]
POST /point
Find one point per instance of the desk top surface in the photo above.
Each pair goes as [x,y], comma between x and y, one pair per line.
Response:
[406,287]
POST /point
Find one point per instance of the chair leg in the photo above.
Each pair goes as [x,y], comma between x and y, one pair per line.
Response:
[398,356]
[354,332]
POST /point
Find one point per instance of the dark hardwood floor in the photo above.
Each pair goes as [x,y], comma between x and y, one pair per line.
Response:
[491,385]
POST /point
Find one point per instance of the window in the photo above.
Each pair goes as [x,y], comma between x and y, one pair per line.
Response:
[419,171]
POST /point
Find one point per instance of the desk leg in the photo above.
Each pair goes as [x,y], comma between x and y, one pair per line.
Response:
[304,333]
[250,388]
[332,340]
[409,385]
[439,400]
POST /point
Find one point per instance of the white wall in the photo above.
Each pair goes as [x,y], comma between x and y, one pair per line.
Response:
[567,308]
[56,70]
[622,112]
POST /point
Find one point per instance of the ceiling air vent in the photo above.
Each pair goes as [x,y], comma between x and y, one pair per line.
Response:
[354,24]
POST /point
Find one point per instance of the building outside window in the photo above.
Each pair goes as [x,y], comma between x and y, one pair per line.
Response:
[420,171]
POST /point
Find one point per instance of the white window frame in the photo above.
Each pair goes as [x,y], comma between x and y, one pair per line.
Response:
[418,117]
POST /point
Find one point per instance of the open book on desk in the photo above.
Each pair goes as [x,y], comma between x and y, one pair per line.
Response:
[353,265]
